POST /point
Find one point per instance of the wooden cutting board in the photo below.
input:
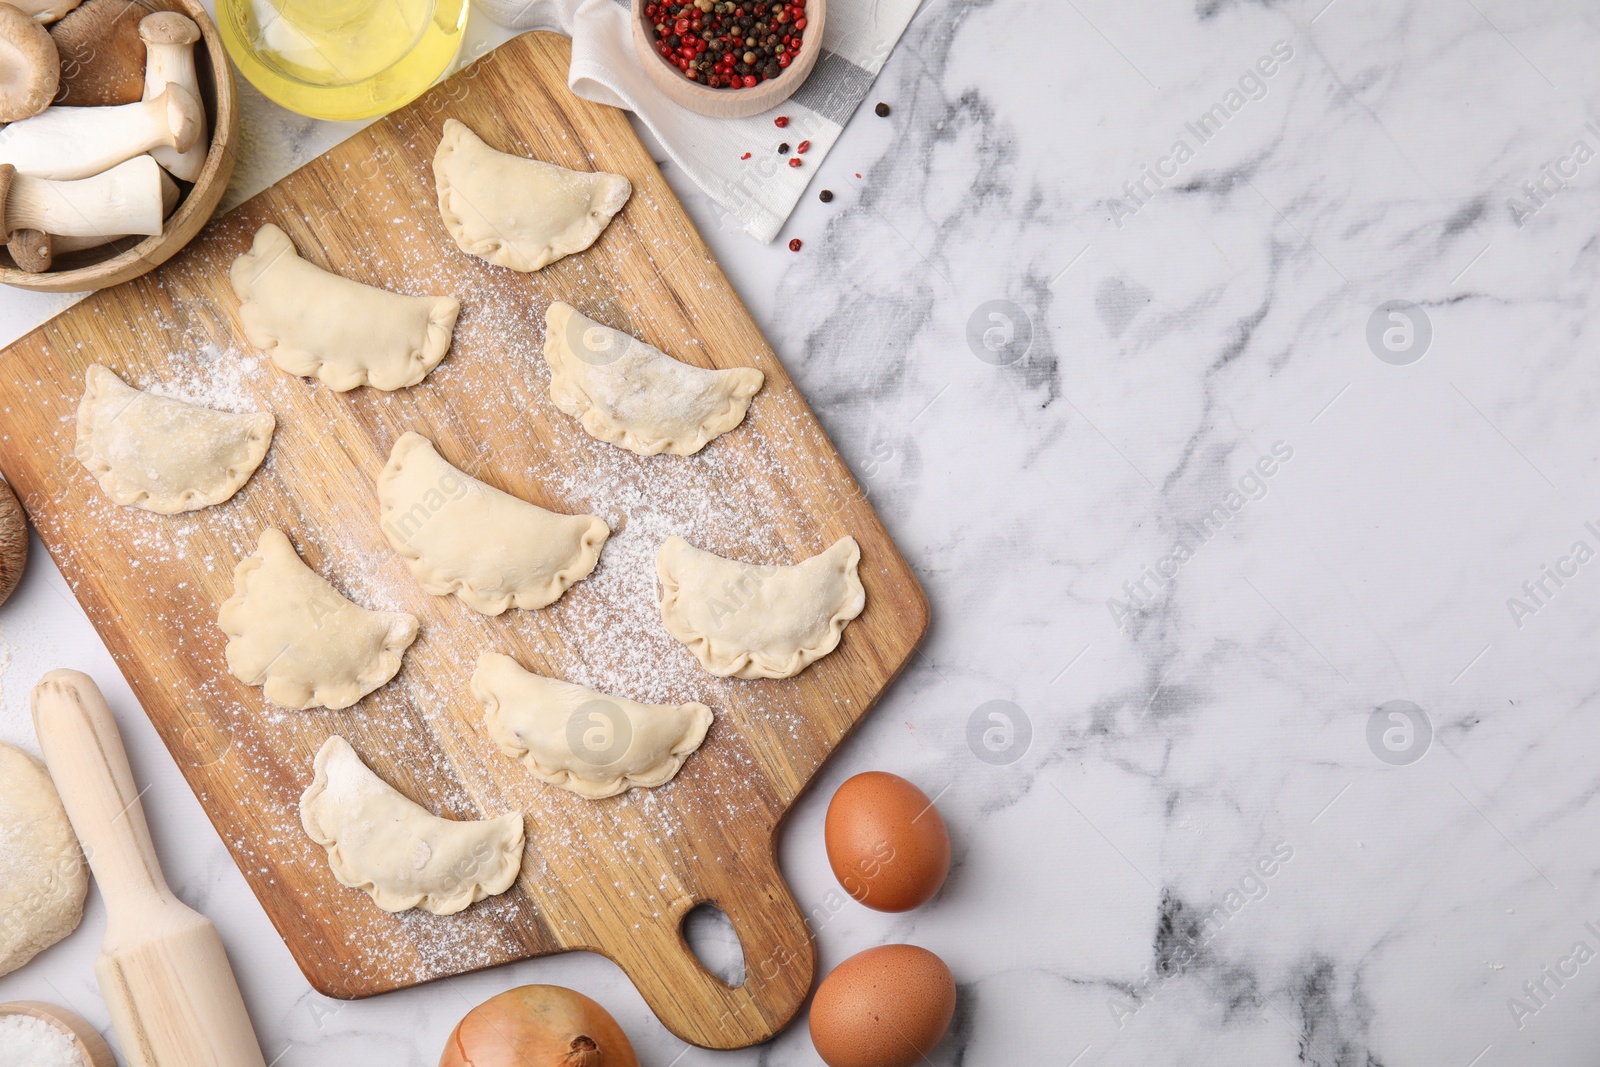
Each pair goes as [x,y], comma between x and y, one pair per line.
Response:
[615,876]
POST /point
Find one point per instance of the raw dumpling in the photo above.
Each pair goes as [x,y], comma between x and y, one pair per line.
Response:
[593,744]
[320,325]
[487,547]
[749,621]
[518,212]
[292,633]
[403,856]
[164,455]
[635,395]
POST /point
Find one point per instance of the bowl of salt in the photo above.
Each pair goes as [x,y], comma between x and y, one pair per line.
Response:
[41,1034]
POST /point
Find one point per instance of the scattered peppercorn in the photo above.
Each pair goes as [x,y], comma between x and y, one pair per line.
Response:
[745,156]
[728,44]
[794,161]
[781,121]
[783,149]
[802,148]
[826,196]
[794,245]
[882,109]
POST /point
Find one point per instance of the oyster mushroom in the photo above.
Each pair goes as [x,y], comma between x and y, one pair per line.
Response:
[39,218]
[169,40]
[102,54]
[30,69]
[44,10]
[13,542]
[64,143]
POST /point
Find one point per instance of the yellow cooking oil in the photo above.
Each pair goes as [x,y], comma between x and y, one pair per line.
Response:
[342,59]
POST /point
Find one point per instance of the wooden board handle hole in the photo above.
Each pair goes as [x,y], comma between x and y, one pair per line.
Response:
[715,943]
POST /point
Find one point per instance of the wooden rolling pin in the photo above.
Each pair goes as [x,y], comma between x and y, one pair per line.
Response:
[162,969]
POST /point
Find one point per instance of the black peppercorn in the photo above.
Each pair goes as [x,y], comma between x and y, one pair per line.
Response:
[783,149]
[727,43]
[882,110]
[826,196]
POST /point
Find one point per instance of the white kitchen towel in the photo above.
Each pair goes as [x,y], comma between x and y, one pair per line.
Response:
[761,191]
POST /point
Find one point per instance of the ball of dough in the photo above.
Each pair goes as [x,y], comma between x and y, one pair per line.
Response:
[43,878]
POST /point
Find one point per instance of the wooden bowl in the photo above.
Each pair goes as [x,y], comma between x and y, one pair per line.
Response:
[99,268]
[91,1046]
[728,103]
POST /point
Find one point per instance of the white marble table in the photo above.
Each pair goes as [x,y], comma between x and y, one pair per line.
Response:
[1229,711]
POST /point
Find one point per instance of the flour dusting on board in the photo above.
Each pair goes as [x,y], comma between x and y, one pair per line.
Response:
[683,496]
[212,378]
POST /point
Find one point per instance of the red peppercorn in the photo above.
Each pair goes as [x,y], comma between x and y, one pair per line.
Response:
[745,156]
[802,148]
[794,161]
[794,245]
[721,52]
[781,121]
[800,23]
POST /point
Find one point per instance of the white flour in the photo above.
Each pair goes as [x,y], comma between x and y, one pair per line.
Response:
[211,378]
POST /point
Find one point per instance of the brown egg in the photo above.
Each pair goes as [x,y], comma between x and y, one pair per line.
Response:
[885,1007]
[886,842]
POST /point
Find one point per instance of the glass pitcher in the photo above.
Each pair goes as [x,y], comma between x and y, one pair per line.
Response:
[342,59]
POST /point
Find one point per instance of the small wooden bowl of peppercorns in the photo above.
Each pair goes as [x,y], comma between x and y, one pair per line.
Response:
[728,58]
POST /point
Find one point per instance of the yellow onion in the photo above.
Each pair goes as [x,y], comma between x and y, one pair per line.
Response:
[538,1026]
